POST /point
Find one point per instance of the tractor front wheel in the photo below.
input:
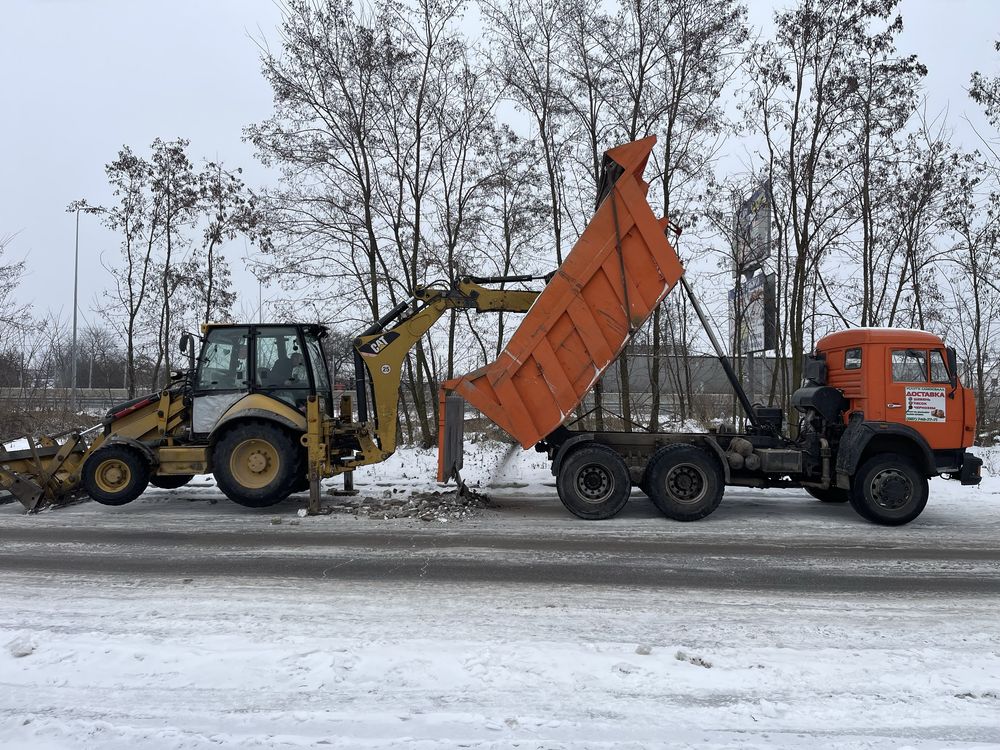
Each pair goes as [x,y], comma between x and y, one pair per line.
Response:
[116,475]
[257,464]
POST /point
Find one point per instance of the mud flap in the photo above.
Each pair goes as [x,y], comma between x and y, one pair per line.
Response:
[451,437]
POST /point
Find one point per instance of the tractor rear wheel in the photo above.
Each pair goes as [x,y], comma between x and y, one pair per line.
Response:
[257,464]
[170,481]
[116,475]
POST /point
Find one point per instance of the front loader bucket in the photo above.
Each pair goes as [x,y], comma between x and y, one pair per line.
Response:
[46,471]
[606,288]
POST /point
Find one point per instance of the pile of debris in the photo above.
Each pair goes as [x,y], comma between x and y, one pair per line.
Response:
[426,506]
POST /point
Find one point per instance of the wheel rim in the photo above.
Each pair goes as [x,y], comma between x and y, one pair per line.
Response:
[891,489]
[594,483]
[254,463]
[112,475]
[686,484]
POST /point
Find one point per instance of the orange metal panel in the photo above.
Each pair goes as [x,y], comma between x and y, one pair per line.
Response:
[579,323]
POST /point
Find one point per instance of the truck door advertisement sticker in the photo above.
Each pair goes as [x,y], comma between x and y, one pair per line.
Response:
[925,404]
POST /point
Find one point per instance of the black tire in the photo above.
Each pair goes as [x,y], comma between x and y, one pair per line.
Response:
[831,495]
[170,481]
[889,489]
[685,482]
[257,464]
[116,475]
[593,482]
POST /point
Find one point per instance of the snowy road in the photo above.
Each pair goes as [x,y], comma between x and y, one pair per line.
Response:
[182,621]
[400,553]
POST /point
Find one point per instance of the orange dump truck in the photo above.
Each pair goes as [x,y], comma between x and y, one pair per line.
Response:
[882,410]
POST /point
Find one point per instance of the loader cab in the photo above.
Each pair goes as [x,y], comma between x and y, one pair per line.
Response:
[256,366]
[902,378]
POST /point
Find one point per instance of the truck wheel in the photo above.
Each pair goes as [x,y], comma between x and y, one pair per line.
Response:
[170,481]
[256,464]
[888,489]
[116,475]
[685,483]
[594,483]
[831,495]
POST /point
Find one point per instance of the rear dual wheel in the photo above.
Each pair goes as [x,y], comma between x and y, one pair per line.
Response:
[684,482]
[593,482]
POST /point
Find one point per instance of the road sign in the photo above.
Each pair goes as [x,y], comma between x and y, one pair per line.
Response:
[753,314]
[753,229]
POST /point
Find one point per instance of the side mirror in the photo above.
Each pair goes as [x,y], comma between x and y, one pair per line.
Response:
[952,366]
[185,342]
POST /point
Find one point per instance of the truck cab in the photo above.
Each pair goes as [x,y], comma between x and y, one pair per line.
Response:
[904,397]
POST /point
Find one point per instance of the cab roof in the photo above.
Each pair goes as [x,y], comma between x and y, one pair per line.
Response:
[861,336]
[317,328]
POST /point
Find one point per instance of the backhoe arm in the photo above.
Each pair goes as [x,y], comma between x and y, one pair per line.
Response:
[382,349]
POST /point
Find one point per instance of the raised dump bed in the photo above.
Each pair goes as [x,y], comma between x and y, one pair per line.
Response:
[607,287]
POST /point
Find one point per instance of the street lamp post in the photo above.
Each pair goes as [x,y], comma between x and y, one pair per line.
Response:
[77,206]
[76,279]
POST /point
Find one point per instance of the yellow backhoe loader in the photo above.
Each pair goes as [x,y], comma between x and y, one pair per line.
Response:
[255,408]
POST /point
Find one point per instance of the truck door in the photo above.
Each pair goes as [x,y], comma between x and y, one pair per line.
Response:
[917,395]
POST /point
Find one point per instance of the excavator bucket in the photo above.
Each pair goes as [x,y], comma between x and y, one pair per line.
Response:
[606,288]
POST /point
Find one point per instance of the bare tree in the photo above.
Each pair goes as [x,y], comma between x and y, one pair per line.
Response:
[136,217]
[972,213]
[800,83]
[14,315]
[174,185]
[526,39]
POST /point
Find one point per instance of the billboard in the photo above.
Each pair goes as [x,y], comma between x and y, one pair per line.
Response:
[753,314]
[753,229]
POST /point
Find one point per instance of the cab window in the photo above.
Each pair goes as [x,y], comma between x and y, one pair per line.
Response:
[281,362]
[939,370]
[318,363]
[909,366]
[223,362]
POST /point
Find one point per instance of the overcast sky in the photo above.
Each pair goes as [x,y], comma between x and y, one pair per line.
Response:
[80,78]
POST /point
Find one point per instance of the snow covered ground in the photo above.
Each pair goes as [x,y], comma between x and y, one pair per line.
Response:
[125,664]
[153,661]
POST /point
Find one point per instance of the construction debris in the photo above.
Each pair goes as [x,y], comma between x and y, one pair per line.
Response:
[427,506]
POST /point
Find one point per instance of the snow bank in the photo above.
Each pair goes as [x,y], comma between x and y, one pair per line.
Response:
[139,664]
